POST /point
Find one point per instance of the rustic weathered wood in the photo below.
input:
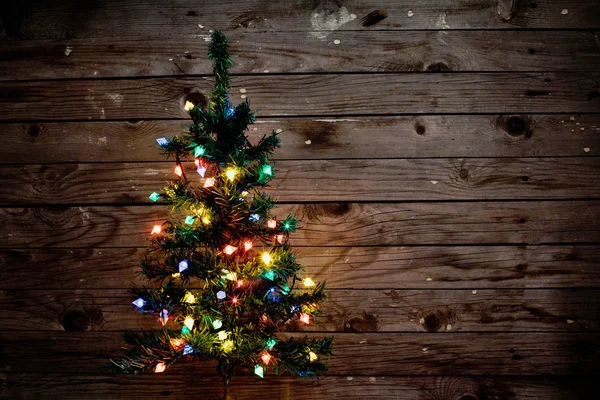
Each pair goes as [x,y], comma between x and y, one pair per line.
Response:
[342,224]
[139,18]
[105,386]
[387,354]
[464,310]
[319,138]
[302,95]
[432,267]
[318,180]
[284,52]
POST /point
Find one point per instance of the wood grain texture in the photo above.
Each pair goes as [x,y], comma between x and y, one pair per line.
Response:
[316,180]
[464,310]
[399,354]
[139,18]
[297,52]
[413,267]
[105,386]
[302,95]
[319,138]
[347,224]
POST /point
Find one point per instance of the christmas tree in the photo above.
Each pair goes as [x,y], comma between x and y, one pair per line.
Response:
[224,278]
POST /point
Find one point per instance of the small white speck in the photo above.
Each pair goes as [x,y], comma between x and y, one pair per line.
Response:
[372,379]
[211,31]
[254,129]
[425,349]
[349,378]
[363,342]
[434,182]
[474,291]
[410,13]
[242,90]
[95,72]
[68,50]
[200,26]
[448,327]
[564,11]
[336,41]
[570,321]
[170,59]
[243,96]
[586,149]
[266,71]
[577,123]
[307,141]
[428,279]
[583,129]
[422,320]
[279,131]
[572,118]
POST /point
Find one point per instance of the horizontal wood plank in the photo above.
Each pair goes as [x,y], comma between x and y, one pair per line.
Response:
[388,354]
[507,310]
[302,95]
[139,18]
[103,386]
[297,52]
[317,180]
[319,138]
[342,224]
[413,267]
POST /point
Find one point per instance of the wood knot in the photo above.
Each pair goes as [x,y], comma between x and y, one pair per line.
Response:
[531,51]
[522,220]
[196,98]
[373,17]
[34,130]
[420,128]
[432,323]
[76,321]
[464,174]
[438,67]
[516,126]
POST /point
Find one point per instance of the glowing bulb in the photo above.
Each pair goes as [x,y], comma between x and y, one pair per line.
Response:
[183,265]
[244,193]
[272,224]
[312,356]
[177,343]
[270,275]
[279,238]
[164,317]
[205,220]
[201,170]
[308,282]
[178,170]
[271,343]
[230,249]
[217,324]
[223,335]
[267,170]
[234,300]
[176,275]
[240,283]
[162,141]
[189,298]
[258,370]
[189,220]
[230,173]
[230,276]
[305,318]
[199,151]
[185,330]
[154,196]
[228,346]
[189,322]
[266,357]
[266,257]
[187,349]
[139,303]
[248,245]
[188,106]
[254,217]
[209,182]
[160,367]
[221,295]
[156,229]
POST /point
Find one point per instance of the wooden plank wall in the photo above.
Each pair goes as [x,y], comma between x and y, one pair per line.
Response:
[442,156]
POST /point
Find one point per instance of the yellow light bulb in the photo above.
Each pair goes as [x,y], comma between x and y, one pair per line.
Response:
[189,298]
[176,275]
[228,346]
[205,220]
[312,356]
[230,173]
[189,322]
[266,258]
[308,282]
[188,106]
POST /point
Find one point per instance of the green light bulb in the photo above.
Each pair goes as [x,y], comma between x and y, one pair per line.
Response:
[270,275]
[185,330]
[271,343]
[189,220]
[199,151]
[267,170]
[154,196]
[258,370]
